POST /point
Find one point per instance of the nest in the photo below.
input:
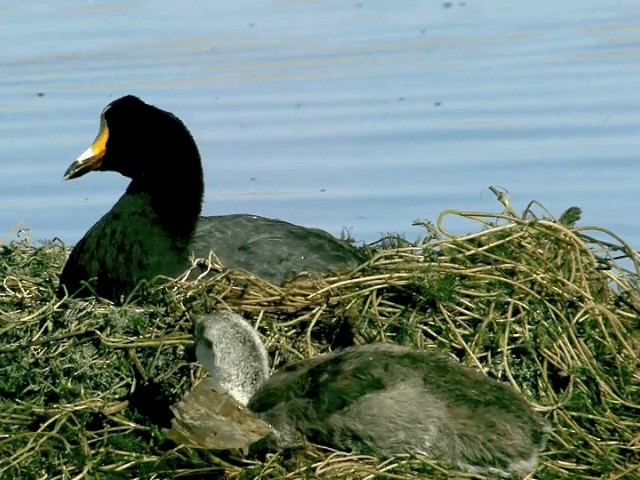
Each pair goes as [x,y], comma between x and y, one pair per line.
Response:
[551,308]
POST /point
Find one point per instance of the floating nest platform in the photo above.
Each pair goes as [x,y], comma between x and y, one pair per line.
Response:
[548,306]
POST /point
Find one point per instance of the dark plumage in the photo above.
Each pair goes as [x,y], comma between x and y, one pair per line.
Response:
[379,399]
[155,226]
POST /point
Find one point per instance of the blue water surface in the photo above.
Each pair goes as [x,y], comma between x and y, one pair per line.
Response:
[364,115]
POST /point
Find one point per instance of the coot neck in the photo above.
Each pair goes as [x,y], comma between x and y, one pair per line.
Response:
[175,196]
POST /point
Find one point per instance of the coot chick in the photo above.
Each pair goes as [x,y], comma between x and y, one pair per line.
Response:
[155,226]
[379,399]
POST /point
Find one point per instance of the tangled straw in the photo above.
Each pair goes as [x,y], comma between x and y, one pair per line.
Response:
[551,308]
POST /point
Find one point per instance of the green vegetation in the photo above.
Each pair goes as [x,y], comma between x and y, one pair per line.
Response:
[86,385]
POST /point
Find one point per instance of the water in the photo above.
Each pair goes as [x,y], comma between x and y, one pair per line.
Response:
[364,115]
